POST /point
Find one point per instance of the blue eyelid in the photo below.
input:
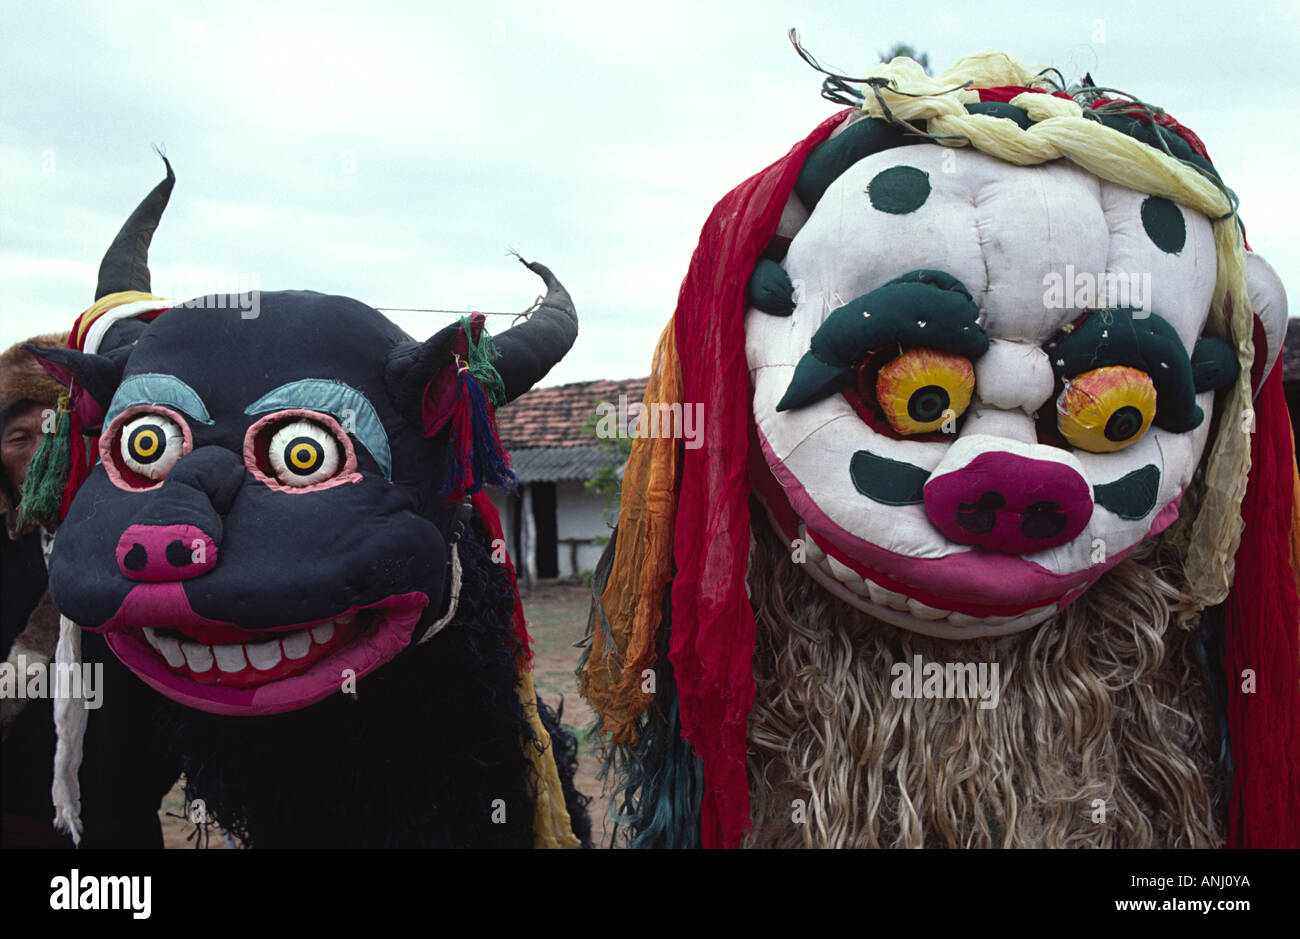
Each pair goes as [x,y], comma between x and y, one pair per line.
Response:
[155,388]
[347,405]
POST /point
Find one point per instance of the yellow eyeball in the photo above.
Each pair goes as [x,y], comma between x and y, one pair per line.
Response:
[1106,409]
[923,388]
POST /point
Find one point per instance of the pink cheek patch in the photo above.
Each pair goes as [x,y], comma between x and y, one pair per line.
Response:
[1009,503]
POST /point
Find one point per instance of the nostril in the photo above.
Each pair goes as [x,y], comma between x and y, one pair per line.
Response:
[980,516]
[136,558]
[178,555]
[1043,520]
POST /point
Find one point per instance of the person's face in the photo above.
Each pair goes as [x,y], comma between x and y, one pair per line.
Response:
[22,435]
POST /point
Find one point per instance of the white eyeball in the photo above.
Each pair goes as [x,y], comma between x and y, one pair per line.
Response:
[151,445]
[303,453]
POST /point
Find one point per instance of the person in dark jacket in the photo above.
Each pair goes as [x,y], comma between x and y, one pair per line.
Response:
[121,808]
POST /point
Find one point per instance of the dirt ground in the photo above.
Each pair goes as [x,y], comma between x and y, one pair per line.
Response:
[557,620]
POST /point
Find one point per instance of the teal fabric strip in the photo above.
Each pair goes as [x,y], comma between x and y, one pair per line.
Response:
[155,388]
[347,405]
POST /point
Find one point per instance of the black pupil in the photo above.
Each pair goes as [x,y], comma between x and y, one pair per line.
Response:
[294,453]
[1124,423]
[157,440]
[927,404]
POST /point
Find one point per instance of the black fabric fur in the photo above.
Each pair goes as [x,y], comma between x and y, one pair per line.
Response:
[418,759]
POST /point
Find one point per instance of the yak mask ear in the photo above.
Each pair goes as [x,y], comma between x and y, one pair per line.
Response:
[455,379]
[126,263]
[99,375]
[1268,299]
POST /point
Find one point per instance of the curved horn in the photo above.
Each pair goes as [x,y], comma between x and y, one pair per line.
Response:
[126,263]
[531,349]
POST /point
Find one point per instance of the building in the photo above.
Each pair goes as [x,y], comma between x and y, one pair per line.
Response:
[554,527]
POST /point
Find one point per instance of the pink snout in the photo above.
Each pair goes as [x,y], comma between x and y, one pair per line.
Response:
[155,553]
[1009,503]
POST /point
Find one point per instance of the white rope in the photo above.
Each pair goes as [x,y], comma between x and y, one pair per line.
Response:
[455,598]
[70,728]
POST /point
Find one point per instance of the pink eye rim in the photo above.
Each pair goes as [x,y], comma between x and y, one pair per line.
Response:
[110,457]
[258,436]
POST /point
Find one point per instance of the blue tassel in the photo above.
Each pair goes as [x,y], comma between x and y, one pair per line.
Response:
[491,463]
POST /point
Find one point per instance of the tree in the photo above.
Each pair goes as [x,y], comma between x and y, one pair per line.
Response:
[904,49]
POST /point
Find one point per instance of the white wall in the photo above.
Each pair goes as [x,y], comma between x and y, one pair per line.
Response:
[578,514]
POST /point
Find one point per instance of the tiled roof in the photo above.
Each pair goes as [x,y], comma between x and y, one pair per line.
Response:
[552,417]
[548,464]
[1291,352]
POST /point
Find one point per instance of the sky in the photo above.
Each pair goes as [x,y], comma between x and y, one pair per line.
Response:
[396,152]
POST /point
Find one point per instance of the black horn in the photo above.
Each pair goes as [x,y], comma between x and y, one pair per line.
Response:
[126,264]
[531,349]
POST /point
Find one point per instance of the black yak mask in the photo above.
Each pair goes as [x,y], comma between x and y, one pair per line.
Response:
[269,516]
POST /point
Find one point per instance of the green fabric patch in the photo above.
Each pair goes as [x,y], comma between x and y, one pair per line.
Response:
[770,288]
[1214,364]
[812,381]
[899,189]
[831,158]
[889,482]
[1117,337]
[1152,135]
[1164,224]
[1132,496]
[924,308]
[1003,109]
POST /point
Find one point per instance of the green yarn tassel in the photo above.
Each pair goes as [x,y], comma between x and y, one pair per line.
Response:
[479,359]
[48,472]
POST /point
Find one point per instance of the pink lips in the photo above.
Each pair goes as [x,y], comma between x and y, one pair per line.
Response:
[976,583]
[225,669]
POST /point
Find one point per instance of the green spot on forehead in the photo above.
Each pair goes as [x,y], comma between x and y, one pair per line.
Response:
[1164,224]
[899,189]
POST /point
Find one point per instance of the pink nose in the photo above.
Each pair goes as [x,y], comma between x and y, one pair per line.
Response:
[1009,503]
[165,552]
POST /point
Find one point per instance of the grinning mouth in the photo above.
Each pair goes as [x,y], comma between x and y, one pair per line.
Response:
[226,669]
[246,664]
[862,591]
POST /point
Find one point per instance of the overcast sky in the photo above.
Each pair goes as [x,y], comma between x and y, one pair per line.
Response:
[393,152]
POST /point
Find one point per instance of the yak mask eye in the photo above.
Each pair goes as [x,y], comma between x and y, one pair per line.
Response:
[920,389]
[1106,409]
[303,453]
[151,445]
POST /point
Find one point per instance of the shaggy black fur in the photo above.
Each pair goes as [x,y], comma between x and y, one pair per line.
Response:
[419,759]
[566,760]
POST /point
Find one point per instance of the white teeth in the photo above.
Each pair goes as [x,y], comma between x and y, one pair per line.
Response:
[963,620]
[921,611]
[323,633]
[843,573]
[859,586]
[198,658]
[879,595]
[151,634]
[345,619]
[230,657]
[296,645]
[171,651]
[263,655]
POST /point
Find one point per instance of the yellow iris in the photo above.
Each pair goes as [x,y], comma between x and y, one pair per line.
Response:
[304,456]
[923,388]
[145,443]
[1106,409]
